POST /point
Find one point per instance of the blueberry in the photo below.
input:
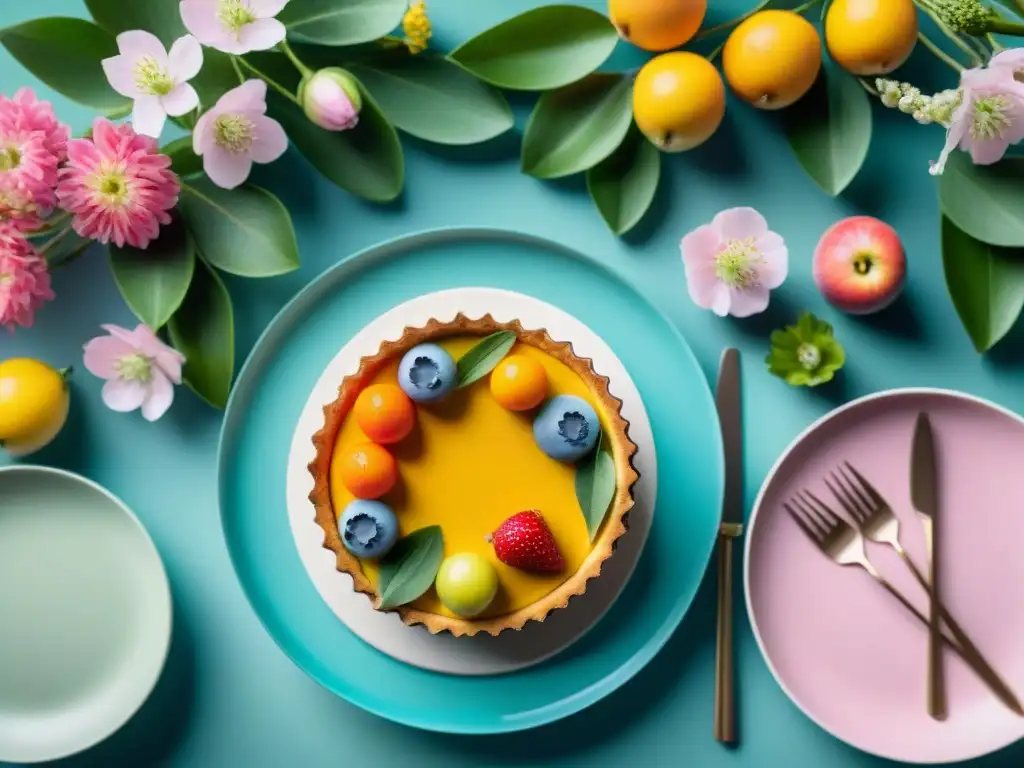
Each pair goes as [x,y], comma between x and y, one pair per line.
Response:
[368,528]
[566,428]
[427,373]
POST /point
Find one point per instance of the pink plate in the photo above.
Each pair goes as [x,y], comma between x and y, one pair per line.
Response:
[840,646]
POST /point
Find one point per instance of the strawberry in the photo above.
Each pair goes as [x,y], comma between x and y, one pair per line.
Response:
[524,541]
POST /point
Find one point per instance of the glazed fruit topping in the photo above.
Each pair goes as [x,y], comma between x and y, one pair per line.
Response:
[567,428]
[524,541]
[368,528]
[427,373]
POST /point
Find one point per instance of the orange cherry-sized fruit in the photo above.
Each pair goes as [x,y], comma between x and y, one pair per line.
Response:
[657,25]
[385,413]
[367,470]
[519,383]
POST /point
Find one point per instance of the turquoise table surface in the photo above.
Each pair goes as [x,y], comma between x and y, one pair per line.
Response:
[230,698]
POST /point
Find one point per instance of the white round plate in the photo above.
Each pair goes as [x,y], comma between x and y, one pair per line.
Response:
[85,614]
[480,654]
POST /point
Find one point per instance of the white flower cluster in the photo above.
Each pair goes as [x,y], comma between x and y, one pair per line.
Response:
[923,108]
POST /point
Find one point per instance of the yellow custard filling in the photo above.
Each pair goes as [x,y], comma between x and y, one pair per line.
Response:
[468,466]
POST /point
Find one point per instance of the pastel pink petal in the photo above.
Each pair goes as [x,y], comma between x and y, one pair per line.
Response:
[721,300]
[185,58]
[202,136]
[120,72]
[121,333]
[148,116]
[267,8]
[123,396]
[200,18]
[772,273]
[159,397]
[702,283]
[748,302]
[739,223]
[700,245]
[226,169]
[170,362]
[988,152]
[228,42]
[250,96]
[1012,59]
[956,134]
[138,43]
[101,356]
[180,101]
[262,35]
[269,141]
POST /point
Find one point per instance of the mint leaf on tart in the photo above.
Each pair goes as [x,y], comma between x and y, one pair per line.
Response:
[483,357]
[410,567]
[595,486]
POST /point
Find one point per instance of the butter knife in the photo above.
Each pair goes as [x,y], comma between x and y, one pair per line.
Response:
[924,497]
[730,416]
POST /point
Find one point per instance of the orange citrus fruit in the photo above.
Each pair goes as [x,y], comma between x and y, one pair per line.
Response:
[678,100]
[368,470]
[657,25]
[772,59]
[385,413]
[871,37]
[519,383]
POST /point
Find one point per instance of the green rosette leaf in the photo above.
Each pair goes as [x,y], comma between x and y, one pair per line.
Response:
[805,354]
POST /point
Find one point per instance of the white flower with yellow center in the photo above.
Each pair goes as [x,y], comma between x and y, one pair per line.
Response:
[234,26]
[153,78]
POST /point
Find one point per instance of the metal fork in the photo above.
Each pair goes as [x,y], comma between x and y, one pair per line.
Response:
[844,545]
[874,518]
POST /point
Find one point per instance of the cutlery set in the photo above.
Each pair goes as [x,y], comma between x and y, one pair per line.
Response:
[871,518]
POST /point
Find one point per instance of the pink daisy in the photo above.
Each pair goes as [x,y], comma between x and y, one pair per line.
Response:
[24,279]
[733,263]
[25,112]
[118,186]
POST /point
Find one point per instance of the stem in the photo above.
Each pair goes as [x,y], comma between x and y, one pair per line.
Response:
[268,80]
[941,54]
[996,47]
[733,22]
[1002,27]
[65,373]
[70,256]
[806,6]
[238,70]
[287,49]
[714,54]
[55,240]
[868,86]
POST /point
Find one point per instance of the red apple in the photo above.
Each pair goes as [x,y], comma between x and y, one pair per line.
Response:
[859,265]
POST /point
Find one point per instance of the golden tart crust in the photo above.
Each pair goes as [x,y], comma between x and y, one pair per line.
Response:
[623,450]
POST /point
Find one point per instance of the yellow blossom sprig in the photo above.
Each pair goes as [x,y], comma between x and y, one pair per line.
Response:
[416,27]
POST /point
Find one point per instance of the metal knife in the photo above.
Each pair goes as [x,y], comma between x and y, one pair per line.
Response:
[727,401]
[924,497]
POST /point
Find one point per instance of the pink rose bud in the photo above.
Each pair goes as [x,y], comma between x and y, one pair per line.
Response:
[331,99]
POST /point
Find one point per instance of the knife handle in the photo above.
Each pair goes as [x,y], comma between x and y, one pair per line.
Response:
[936,688]
[725,705]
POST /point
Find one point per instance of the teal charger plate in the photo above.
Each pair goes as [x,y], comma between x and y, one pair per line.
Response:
[284,367]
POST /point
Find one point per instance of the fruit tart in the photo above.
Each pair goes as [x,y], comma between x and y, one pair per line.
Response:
[473,475]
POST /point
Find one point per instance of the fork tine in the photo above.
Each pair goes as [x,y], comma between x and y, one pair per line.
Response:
[848,504]
[804,526]
[862,505]
[809,517]
[859,491]
[821,511]
[868,487]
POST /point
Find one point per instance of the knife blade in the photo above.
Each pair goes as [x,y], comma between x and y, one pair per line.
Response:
[730,416]
[925,499]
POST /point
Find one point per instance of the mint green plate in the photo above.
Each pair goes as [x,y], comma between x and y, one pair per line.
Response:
[85,614]
[283,369]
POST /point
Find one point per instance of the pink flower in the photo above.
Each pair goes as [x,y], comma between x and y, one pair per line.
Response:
[234,26]
[734,262]
[157,81]
[990,116]
[236,133]
[331,99]
[118,186]
[24,279]
[140,370]
[25,113]
[1012,59]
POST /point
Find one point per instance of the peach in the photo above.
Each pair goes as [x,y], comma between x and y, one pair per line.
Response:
[860,265]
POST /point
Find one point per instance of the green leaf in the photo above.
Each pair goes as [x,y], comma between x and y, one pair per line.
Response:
[986,283]
[216,78]
[366,161]
[985,200]
[623,185]
[203,330]
[154,281]
[483,356]
[161,17]
[341,22]
[66,54]
[429,97]
[829,129]
[1015,7]
[576,127]
[595,487]
[409,569]
[244,231]
[545,48]
[184,160]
